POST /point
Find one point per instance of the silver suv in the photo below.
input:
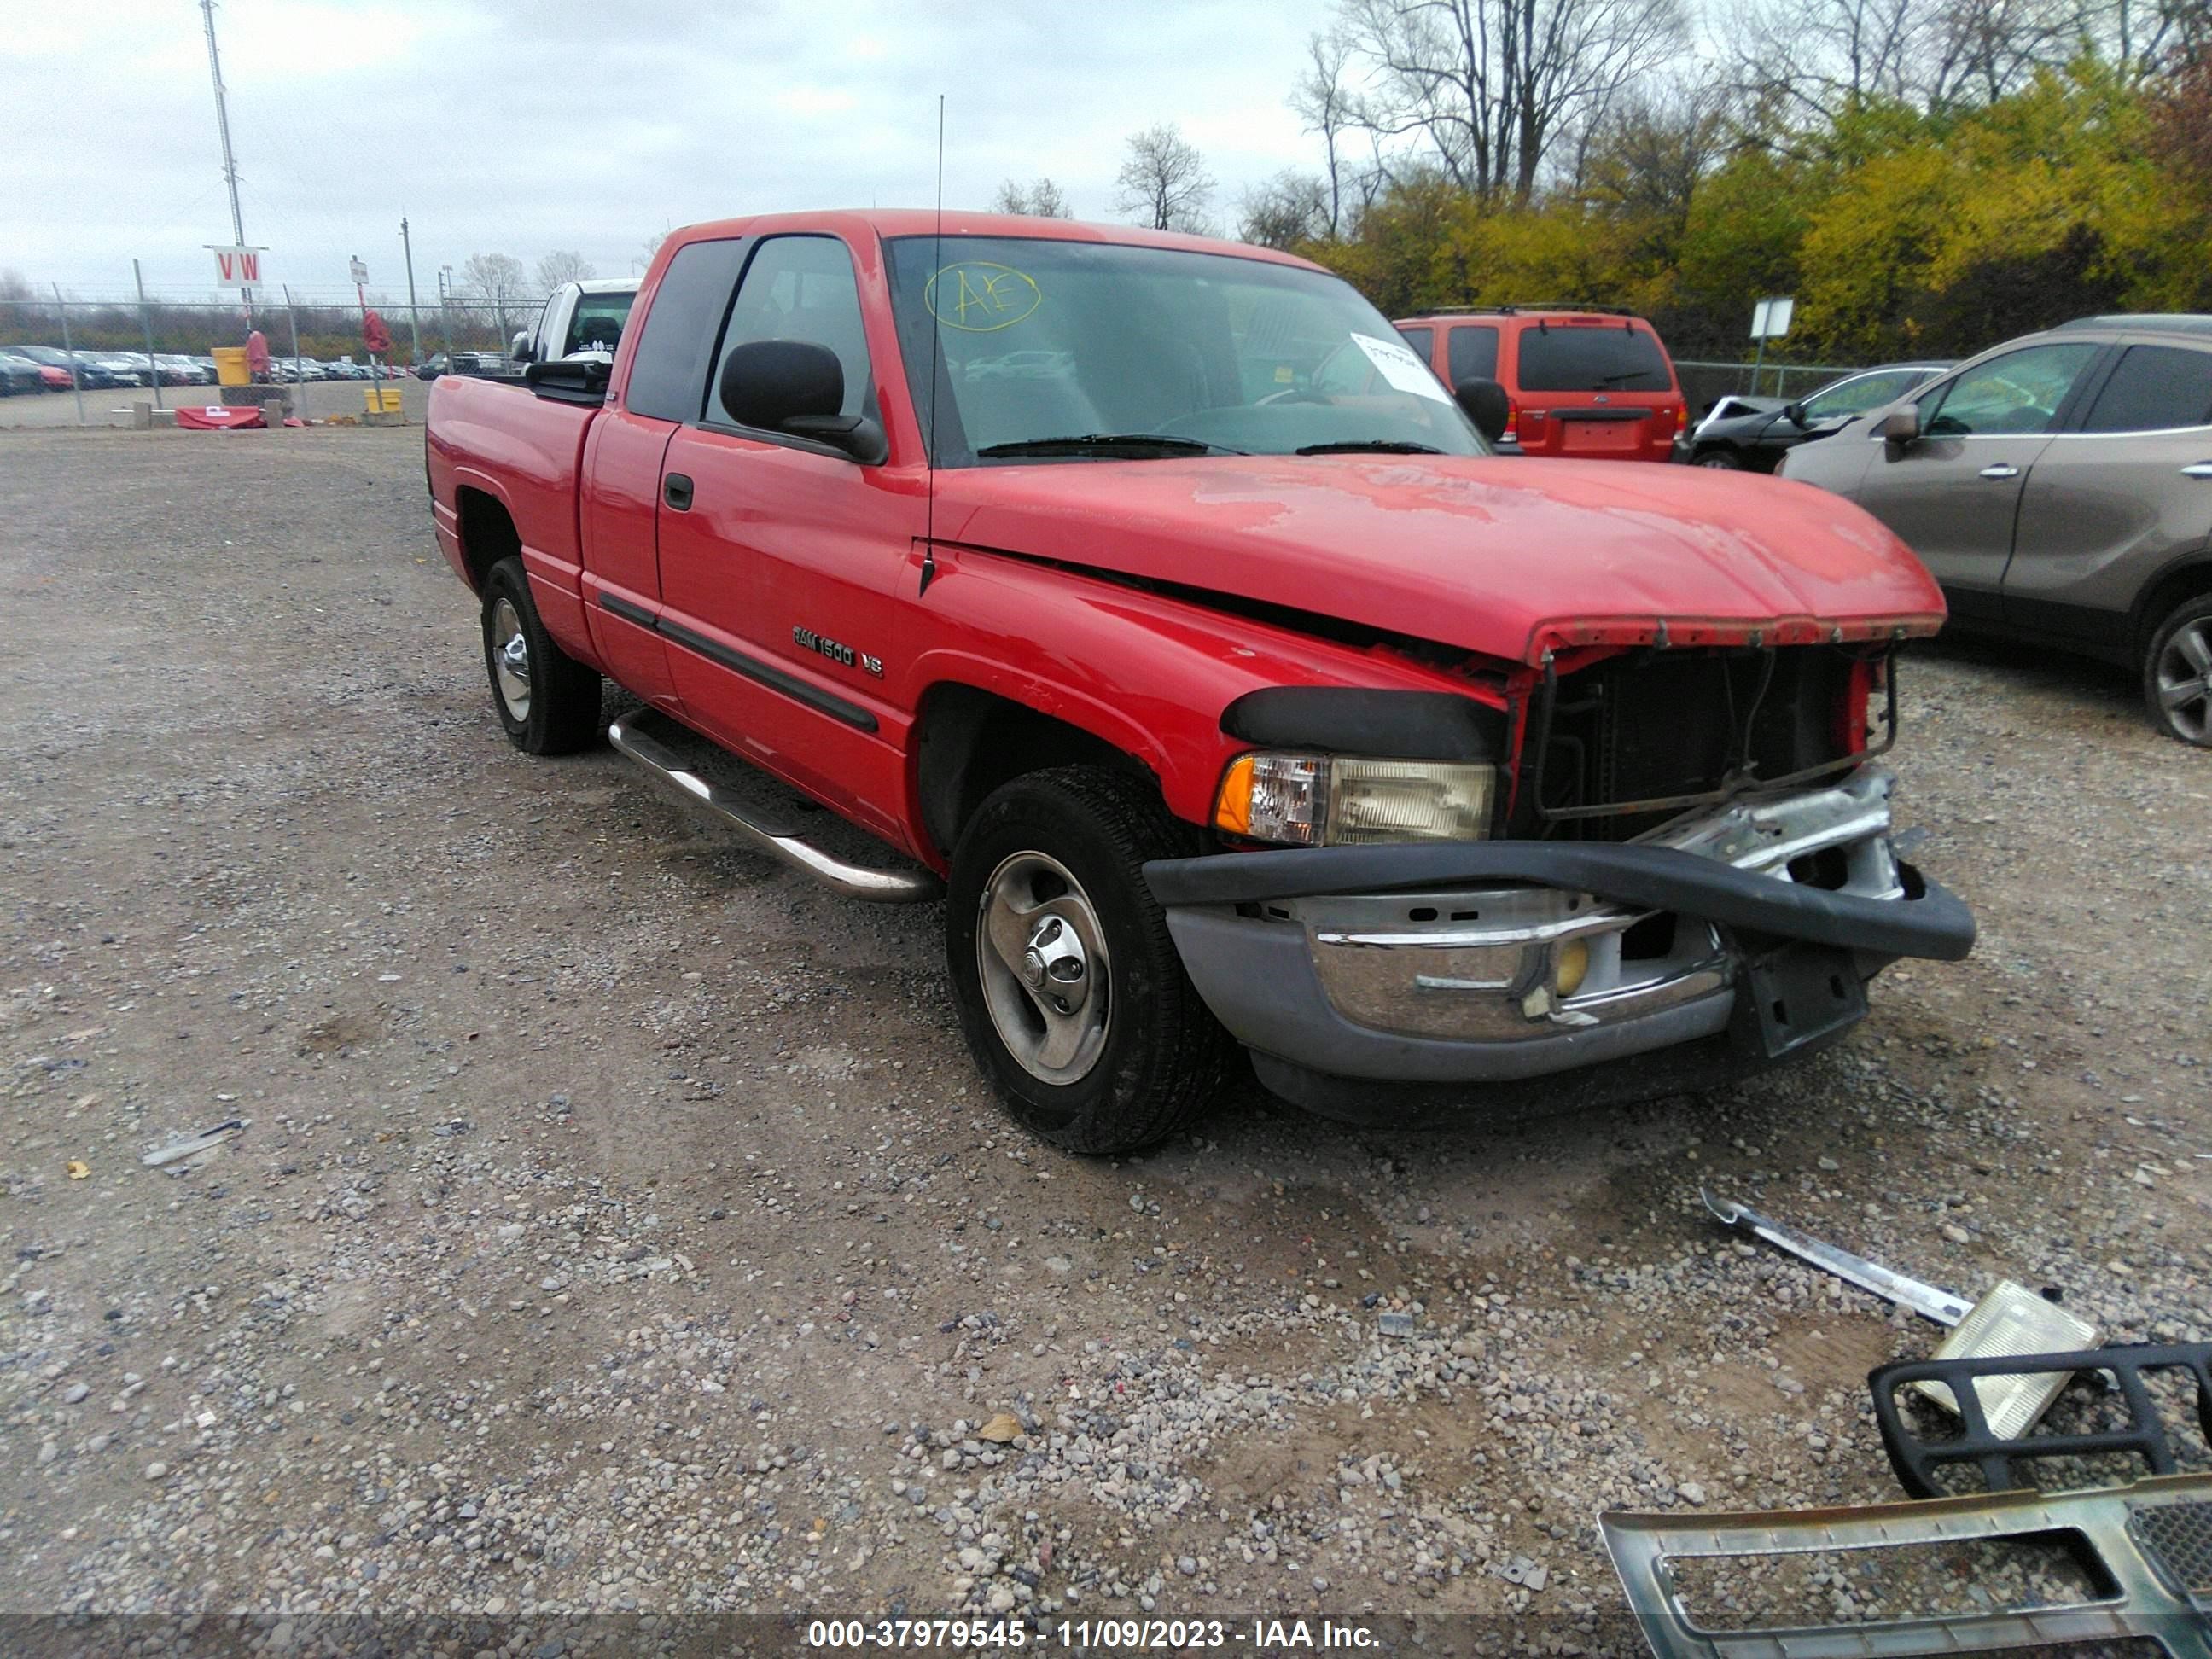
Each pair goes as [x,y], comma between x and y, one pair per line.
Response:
[2060,488]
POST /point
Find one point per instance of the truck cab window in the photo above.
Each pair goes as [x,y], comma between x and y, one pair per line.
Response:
[668,380]
[801,288]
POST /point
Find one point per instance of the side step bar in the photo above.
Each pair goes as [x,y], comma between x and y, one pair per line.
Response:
[669,770]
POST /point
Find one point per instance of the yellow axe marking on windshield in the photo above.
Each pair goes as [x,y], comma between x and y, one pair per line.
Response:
[982,297]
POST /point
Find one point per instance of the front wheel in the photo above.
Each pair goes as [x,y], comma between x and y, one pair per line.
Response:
[548,701]
[1720,460]
[1069,989]
[2178,672]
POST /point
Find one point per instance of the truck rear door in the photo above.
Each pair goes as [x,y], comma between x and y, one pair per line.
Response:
[781,557]
[621,507]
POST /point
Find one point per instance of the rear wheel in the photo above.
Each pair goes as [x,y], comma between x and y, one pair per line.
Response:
[1721,460]
[1070,991]
[2177,671]
[548,701]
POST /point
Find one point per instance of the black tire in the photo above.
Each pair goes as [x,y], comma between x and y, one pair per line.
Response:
[1162,1058]
[559,712]
[1721,460]
[2177,672]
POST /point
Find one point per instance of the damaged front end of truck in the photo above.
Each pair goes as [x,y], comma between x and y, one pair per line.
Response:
[1650,859]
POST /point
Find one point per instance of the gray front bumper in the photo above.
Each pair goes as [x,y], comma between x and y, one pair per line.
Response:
[1490,961]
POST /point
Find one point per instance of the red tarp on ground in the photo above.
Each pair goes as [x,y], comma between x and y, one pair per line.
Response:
[214,417]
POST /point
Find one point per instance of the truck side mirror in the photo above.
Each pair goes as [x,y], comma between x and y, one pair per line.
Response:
[797,386]
[1487,405]
[1900,427]
[518,347]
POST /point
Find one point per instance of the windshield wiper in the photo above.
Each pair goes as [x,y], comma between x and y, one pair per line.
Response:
[1370,447]
[1109,441]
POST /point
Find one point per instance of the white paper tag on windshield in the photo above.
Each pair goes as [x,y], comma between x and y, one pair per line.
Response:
[1397,364]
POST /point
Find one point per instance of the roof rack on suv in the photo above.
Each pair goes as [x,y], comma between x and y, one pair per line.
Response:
[2150,322]
[1525,308]
[1519,306]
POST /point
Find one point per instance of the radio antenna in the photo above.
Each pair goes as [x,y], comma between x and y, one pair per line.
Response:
[936,345]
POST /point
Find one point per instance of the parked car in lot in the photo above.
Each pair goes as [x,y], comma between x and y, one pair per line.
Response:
[123,369]
[54,357]
[1222,715]
[2059,487]
[20,375]
[1754,438]
[463,362]
[1588,384]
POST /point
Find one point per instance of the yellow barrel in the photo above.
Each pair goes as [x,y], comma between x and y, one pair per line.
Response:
[230,366]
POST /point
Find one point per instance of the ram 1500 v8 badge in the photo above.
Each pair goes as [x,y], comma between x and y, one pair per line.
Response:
[1145,598]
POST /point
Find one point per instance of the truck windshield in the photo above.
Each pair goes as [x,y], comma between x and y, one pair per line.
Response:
[1057,350]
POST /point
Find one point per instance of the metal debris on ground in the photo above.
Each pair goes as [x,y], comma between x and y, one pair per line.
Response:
[2009,1321]
[2003,1456]
[1395,1324]
[2148,1547]
[206,1139]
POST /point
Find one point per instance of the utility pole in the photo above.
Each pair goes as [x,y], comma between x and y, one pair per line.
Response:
[414,323]
[223,127]
[445,306]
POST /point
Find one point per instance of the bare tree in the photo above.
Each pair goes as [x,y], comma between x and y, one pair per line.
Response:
[1327,105]
[1040,198]
[1164,181]
[643,259]
[1645,157]
[1490,85]
[1816,59]
[14,285]
[491,275]
[563,266]
[1290,209]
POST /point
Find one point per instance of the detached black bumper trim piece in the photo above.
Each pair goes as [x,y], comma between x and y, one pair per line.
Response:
[2002,1461]
[1934,923]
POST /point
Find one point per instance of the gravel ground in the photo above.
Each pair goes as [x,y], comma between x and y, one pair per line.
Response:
[619,1227]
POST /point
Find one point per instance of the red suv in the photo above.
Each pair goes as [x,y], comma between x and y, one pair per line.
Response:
[1587,385]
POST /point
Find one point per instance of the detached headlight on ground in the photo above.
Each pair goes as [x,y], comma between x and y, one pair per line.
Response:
[1329,800]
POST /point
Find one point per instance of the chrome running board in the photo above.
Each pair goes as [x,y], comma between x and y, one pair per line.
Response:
[673,773]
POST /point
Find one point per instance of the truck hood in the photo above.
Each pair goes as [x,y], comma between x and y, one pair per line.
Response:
[1509,558]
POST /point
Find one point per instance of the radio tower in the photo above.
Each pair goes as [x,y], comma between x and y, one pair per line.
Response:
[229,161]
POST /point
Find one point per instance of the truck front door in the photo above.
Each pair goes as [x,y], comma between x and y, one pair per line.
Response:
[781,557]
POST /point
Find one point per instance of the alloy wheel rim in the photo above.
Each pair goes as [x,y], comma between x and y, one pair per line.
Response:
[510,659]
[1040,956]
[2185,680]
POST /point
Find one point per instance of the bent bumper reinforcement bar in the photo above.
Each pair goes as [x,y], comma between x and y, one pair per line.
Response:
[1934,924]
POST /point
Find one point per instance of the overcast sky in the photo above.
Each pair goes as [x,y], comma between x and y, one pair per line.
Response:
[519,126]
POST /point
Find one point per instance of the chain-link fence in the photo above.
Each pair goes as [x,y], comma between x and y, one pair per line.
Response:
[318,330]
[104,345]
[1704,383]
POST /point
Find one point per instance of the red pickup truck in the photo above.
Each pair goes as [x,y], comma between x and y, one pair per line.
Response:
[1223,705]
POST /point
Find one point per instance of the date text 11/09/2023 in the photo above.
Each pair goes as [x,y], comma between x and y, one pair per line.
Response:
[1165,1635]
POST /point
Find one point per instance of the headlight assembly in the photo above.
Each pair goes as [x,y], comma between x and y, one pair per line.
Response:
[1335,800]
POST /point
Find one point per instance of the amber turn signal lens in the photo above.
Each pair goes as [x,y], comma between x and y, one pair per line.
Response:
[1232,807]
[1573,967]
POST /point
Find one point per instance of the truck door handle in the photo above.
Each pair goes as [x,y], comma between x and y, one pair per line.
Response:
[2201,469]
[2002,470]
[675,490]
